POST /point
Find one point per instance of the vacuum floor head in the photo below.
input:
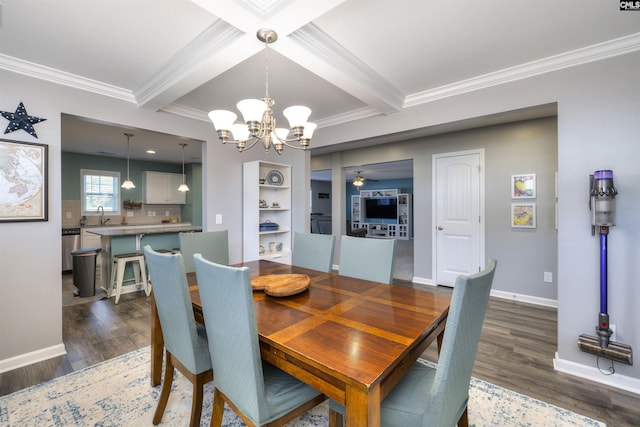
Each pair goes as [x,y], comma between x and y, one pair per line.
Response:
[614,351]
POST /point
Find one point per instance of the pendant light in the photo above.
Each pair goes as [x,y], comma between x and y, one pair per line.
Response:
[128,184]
[183,187]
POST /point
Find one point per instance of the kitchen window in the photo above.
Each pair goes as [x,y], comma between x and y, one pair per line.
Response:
[100,188]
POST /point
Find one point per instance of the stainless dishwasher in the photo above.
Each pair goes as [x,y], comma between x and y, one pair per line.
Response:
[70,242]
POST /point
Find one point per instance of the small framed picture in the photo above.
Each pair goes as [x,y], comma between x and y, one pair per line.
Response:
[523,186]
[523,215]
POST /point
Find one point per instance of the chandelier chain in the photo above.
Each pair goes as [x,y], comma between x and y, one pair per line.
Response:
[266,72]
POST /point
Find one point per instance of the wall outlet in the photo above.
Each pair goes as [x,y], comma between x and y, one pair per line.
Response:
[68,215]
[167,213]
[613,332]
[548,276]
[129,213]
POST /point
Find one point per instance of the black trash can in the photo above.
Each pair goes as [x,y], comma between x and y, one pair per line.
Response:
[84,270]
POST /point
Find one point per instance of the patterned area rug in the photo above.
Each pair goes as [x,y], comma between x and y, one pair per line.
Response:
[117,392]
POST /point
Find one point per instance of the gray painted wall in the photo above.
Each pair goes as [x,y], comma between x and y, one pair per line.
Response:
[522,147]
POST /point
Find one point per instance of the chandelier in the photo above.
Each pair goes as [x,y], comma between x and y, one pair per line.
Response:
[260,125]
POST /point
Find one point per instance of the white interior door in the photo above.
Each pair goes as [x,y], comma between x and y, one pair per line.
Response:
[458,215]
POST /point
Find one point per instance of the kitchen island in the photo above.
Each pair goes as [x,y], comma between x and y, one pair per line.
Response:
[123,239]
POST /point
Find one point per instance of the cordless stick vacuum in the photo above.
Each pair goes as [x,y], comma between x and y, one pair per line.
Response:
[603,216]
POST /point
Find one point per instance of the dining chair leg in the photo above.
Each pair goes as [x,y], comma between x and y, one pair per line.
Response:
[196,403]
[166,389]
[198,382]
[464,420]
[335,419]
[218,408]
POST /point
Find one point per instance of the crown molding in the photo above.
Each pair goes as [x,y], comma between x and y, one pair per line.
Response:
[312,39]
[349,116]
[597,52]
[63,78]
[188,112]
[322,45]
[264,8]
[215,38]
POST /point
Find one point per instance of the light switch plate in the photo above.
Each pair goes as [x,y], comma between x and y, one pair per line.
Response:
[548,276]
[218,218]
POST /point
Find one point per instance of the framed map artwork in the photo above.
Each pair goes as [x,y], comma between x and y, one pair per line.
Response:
[23,181]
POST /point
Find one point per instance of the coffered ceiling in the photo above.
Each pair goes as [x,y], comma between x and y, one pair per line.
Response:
[345,59]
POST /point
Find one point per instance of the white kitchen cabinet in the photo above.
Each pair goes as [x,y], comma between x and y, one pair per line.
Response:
[269,201]
[161,188]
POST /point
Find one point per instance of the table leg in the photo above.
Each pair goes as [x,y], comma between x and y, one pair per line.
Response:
[363,408]
[157,345]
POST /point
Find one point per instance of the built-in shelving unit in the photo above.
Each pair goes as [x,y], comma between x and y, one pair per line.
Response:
[266,199]
[391,228]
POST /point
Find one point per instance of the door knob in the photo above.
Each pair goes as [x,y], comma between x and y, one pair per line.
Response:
[439,228]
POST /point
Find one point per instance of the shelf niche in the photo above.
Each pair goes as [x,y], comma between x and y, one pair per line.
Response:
[266,198]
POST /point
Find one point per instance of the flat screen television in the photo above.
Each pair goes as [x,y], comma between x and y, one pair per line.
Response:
[381,208]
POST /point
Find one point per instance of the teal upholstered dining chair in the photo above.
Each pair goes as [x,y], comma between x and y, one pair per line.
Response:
[185,343]
[213,245]
[369,259]
[258,392]
[437,397]
[313,251]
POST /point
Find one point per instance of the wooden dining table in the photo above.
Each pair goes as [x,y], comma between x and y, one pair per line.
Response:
[351,339]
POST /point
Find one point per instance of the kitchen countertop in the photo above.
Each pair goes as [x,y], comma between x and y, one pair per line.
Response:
[132,230]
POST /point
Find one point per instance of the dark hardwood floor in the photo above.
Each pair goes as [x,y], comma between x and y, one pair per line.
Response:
[92,333]
[516,351]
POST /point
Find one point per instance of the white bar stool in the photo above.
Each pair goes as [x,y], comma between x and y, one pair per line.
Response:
[139,271]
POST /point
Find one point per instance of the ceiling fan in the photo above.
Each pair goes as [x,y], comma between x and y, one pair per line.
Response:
[359,180]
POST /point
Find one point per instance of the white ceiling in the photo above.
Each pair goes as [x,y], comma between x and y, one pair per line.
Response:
[345,59]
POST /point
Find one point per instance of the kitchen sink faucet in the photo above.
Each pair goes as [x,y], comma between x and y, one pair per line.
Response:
[101,212]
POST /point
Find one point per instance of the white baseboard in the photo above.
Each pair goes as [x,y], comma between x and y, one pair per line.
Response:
[592,373]
[525,298]
[502,294]
[422,281]
[33,357]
